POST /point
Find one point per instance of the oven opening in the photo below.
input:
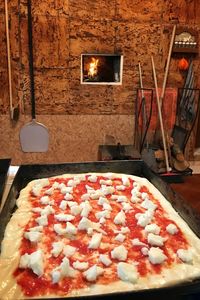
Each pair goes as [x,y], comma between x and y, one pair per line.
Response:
[101,68]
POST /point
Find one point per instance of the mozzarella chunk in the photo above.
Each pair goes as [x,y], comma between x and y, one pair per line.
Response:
[92,273]
[71,203]
[126,206]
[86,209]
[56,276]
[144,219]
[105,260]
[64,217]
[85,197]
[105,182]
[75,210]
[63,205]
[155,240]
[66,270]
[120,218]
[172,229]
[33,236]
[120,237]
[144,195]
[59,229]
[152,228]
[80,265]
[156,255]
[36,209]
[95,241]
[107,206]
[33,261]
[84,224]
[125,181]
[127,272]
[71,229]
[137,242]
[47,210]
[49,191]
[68,197]
[122,230]
[42,221]
[145,251]
[69,250]
[92,178]
[102,214]
[185,255]
[36,228]
[55,185]
[96,194]
[66,189]
[57,248]
[45,200]
[120,187]
[73,182]
[135,199]
[121,198]
[107,190]
[148,204]
[36,189]
[119,253]
[102,201]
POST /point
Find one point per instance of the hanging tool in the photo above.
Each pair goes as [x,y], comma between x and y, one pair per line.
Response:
[34,136]
[160,117]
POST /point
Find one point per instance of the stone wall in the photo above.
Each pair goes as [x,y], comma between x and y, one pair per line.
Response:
[62,30]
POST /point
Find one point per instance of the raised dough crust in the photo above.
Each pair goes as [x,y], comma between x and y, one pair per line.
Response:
[9,258]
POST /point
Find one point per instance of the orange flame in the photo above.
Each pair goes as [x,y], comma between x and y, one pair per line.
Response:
[93,67]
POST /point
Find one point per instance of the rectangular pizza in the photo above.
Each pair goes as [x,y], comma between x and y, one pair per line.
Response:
[94,233]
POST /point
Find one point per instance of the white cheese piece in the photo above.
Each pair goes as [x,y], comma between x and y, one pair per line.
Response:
[90,231]
[59,229]
[107,190]
[47,210]
[33,236]
[137,242]
[68,197]
[43,182]
[125,181]
[119,253]
[120,187]
[61,185]
[102,220]
[135,199]
[148,204]
[92,178]
[66,270]
[71,229]
[45,200]
[102,201]
[86,209]
[63,205]
[85,197]
[55,185]
[156,255]
[66,190]
[123,230]
[49,191]
[105,260]
[36,189]
[121,198]
[106,182]
[95,195]
[110,175]
[120,218]
[152,228]
[120,237]
[155,240]
[172,229]
[80,177]
[80,265]
[24,261]
[64,217]
[36,209]
[144,195]
[84,224]
[36,228]
[126,206]
[73,183]
[144,219]
[95,241]
[107,206]
[127,272]
[56,276]
[69,250]
[92,273]
[89,188]
[71,203]
[75,210]
[57,248]
[102,214]
[42,221]
[185,255]
[114,197]
[145,251]
[36,262]
[135,192]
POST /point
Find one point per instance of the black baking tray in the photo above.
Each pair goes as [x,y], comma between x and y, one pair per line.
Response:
[4,166]
[27,173]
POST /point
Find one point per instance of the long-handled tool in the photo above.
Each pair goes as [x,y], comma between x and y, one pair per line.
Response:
[14,111]
[160,117]
[34,136]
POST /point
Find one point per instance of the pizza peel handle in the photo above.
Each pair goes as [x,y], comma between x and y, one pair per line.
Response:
[34,136]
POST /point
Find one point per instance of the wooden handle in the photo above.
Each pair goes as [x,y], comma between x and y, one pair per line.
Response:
[9,61]
[160,116]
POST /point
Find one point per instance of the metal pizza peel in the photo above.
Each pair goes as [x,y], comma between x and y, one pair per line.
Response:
[34,136]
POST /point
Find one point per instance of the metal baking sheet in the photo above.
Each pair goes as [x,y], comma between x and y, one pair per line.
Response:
[4,166]
[26,173]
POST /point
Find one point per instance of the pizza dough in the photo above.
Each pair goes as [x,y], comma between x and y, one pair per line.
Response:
[94,233]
